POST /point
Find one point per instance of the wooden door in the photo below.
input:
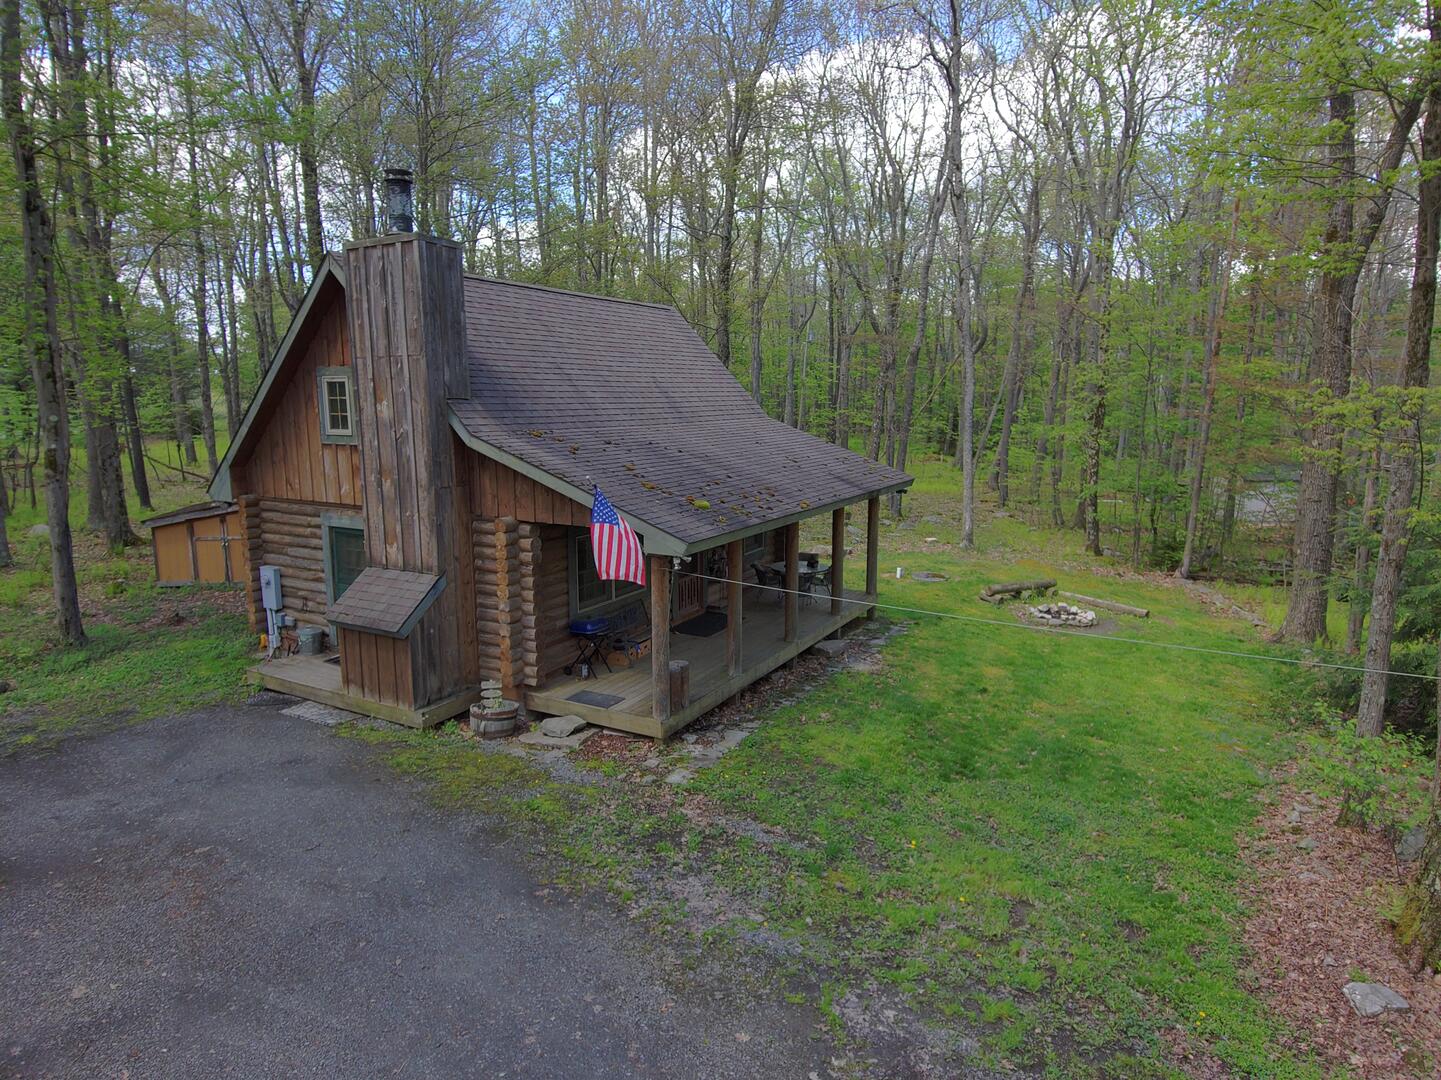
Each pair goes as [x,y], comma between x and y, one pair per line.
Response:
[689,591]
[211,541]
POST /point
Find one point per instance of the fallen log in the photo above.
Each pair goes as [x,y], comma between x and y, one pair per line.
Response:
[1014,588]
[1109,605]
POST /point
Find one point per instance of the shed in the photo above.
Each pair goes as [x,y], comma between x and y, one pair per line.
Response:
[199,543]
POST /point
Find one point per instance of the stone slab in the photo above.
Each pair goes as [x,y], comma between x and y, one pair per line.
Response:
[318,713]
[559,727]
[1373,999]
[547,742]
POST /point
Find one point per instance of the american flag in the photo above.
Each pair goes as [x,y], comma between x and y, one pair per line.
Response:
[614,544]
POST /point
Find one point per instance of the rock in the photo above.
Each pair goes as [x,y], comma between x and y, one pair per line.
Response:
[934,519]
[933,539]
[1408,848]
[1306,877]
[679,776]
[549,742]
[828,647]
[1307,843]
[38,530]
[6,686]
[1321,870]
[1373,999]
[1329,960]
[560,727]
[926,575]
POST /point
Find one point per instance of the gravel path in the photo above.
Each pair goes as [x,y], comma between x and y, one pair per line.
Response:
[240,893]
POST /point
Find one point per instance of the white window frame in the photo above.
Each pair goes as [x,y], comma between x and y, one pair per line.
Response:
[325,378]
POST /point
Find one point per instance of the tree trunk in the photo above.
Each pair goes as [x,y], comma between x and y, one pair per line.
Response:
[1330,367]
[1220,291]
[5,557]
[42,327]
[1406,453]
[1020,340]
[136,442]
[1356,616]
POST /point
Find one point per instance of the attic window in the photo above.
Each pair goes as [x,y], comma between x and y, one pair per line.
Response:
[337,405]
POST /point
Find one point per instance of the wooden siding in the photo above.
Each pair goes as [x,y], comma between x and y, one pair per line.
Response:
[288,460]
[498,491]
[291,538]
[377,668]
[407,334]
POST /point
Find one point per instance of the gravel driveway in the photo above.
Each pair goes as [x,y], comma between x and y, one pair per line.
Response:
[240,893]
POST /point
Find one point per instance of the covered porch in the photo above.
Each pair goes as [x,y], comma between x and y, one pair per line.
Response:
[764,628]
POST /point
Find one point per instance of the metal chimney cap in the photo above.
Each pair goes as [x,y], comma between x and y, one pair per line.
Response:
[399,201]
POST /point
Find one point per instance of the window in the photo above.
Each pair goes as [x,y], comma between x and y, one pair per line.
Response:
[344,558]
[588,593]
[337,405]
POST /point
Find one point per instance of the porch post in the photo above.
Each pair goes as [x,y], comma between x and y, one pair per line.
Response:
[734,571]
[873,548]
[838,559]
[793,579]
[658,573]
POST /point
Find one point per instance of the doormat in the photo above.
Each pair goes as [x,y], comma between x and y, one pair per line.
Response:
[599,700]
[703,625]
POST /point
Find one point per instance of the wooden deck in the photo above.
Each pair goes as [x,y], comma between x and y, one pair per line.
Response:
[316,678]
[763,648]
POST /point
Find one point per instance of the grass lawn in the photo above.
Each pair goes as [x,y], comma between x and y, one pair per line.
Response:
[1035,835]
[151,651]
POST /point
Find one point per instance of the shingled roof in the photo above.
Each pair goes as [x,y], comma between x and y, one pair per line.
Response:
[589,390]
[388,602]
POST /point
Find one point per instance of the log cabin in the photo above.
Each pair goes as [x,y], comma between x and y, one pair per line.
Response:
[419,463]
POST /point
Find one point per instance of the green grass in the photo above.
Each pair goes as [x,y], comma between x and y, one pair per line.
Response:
[1037,835]
[150,651]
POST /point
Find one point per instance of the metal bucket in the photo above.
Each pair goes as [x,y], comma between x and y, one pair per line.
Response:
[311,640]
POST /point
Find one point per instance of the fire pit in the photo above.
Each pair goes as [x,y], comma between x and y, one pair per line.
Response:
[1059,614]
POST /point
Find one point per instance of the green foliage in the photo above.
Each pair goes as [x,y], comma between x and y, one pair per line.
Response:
[1383,782]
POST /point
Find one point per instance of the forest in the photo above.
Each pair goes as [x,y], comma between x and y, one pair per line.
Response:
[1161,272]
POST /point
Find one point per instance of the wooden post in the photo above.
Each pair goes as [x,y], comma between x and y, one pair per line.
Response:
[793,579]
[734,572]
[659,574]
[838,559]
[873,548]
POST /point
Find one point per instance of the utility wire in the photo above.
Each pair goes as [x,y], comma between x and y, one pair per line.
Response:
[1063,632]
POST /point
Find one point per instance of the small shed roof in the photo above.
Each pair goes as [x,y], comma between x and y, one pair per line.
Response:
[190,513]
[388,602]
[589,390]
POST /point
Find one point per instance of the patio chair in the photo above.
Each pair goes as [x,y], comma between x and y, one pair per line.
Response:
[822,579]
[630,630]
[768,580]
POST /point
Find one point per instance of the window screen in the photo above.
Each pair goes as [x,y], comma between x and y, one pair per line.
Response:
[337,406]
[347,558]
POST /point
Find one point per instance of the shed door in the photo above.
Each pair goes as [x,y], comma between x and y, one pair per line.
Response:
[211,556]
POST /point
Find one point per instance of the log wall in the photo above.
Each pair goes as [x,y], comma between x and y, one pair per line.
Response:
[292,539]
[555,647]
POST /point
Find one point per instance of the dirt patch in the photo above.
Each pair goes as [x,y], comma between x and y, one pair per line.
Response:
[1317,923]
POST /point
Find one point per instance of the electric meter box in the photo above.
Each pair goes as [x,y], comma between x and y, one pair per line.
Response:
[270,597]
